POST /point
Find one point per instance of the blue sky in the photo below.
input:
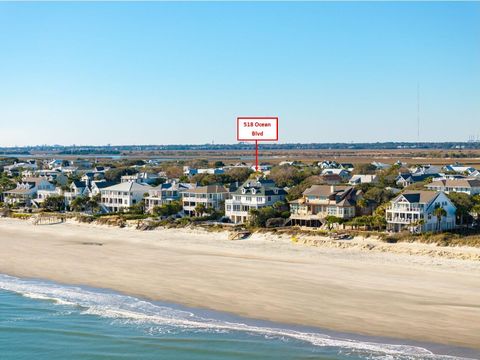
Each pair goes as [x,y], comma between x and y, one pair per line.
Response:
[166,73]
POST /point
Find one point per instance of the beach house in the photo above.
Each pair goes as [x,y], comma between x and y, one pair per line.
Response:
[344,174]
[121,196]
[416,211]
[77,188]
[363,179]
[141,178]
[16,168]
[26,190]
[407,179]
[459,169]
[97,186]
[210,196]
[252,194]
[165,193]
[467,186]
[320,201]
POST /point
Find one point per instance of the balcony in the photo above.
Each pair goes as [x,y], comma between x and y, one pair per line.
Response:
[399,220]
[405,208]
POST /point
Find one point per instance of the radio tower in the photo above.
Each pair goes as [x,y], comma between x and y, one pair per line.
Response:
[418,114]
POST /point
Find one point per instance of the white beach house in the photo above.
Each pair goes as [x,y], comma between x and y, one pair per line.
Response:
[211,196]
[121,196]
[27,190]
[253,194]
[415,211]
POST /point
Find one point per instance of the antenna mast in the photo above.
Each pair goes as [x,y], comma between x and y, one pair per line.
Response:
[418,113]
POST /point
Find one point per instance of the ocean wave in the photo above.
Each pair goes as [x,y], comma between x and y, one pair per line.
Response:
[133,310]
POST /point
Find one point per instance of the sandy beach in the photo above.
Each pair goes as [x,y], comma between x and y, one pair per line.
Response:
[405,294]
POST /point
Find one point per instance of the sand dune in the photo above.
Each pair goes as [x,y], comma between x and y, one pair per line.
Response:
[376,293]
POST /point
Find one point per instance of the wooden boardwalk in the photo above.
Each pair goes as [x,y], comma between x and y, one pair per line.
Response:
[49,219]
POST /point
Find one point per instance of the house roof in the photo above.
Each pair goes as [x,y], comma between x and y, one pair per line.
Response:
[19,191]
[416,177]
[336,195]
[464,183]
[324,190]
[173,186]
[34,180]
[104,184]
[128,186]
[79,184]
[260,187]
[331,177]
[334,171]
[421,196]
[208,189]
[362,178]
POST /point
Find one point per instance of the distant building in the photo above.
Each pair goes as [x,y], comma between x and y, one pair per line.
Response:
[344,174]
[425,169]
[414,211]
[331,179]
[381,166]
[55,163]
[13,170]
[460,169]
[252,194]
[363,179]
[407,179]
[212,171]
[327,164]
[467,186]
[141,178]
[262,167]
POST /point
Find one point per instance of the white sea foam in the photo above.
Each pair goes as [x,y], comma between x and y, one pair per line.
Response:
[132,310]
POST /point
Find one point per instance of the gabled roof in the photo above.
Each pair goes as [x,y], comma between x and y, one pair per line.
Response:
[79,184]
[334,171]
[34,180]
[359,178]
[104,184]
[173,186]
[464,183]
[421,196]
[260,187]
[319,190]
[208,189]
[416,177]
[128,186]
[337,195]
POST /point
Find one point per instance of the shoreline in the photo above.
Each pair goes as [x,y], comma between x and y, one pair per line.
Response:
[421,298]
[308,335]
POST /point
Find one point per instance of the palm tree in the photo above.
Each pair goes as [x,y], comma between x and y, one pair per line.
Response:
[439,212]
[200,209]
[417,225]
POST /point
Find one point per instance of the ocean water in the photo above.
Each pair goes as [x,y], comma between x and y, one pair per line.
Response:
[43,320]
